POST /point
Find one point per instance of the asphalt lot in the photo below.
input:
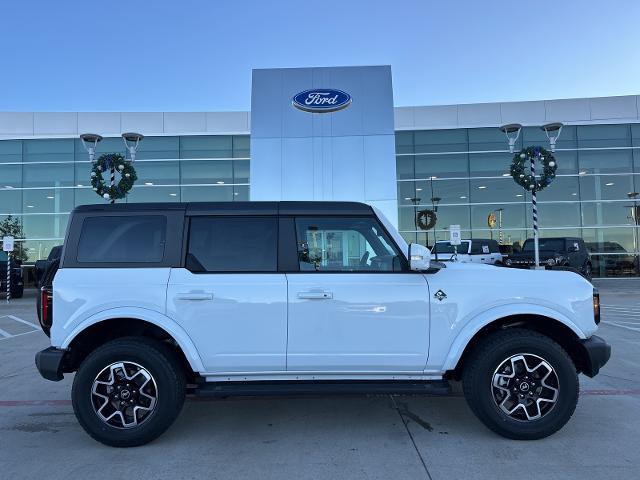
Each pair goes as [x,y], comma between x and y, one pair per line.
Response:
[324,437]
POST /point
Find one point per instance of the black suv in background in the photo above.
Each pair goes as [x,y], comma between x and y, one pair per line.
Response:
[42,265]
[17,281]
[566,252]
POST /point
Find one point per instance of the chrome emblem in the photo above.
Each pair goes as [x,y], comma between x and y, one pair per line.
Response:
[440,295]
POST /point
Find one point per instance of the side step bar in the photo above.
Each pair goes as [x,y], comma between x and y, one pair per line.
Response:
[259,388]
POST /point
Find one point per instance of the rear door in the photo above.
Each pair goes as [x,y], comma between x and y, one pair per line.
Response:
[230,298]
[353,305]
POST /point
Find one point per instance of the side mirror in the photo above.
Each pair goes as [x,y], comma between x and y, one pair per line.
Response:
[419,257]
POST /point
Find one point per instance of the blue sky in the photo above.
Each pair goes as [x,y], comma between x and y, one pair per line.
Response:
[197,55]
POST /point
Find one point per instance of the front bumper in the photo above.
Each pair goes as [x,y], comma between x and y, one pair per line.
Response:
[596,353]
[49,363]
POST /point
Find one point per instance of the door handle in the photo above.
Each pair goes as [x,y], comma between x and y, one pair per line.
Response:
[194,296]
[315,295]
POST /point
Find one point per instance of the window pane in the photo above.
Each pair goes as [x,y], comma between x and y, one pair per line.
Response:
[157,173]
[241,146]
[605,161]
[512,216]
[151,148]
[405,167]
[219,146]
[615,265]
[241,171]
[44,226]
[610,240]
[10,201]
[448,191]
[556,215]
[562,188]
[54,150]
[233,244]
[404,142]
[143,193]
[490,164]
[496,190]
[537,136]
[222,193]
[39,249]
[48,200]
[442,166]
[607,213]
[605,187]
[210,172]
[10,151]
[120,239]
[48,175]
[241,193]
[490,139]
[344,244]
[440,141]
[452,215]
[593,136]
[10,176]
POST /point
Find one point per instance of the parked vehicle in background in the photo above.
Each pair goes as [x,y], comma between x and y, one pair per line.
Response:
[42,265]
[564,252]
[17,280]
[250,298]
[474,251]
[614,261]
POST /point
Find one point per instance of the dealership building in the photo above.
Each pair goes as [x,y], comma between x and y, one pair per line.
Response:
[334,134]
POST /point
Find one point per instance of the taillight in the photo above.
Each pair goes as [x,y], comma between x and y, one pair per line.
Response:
[596,306]
[45,309]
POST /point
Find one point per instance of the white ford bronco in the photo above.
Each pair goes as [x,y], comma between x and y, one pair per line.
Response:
[153,301]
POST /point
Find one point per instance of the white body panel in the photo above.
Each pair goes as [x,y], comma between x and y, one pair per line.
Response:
[358,322]
[238,321]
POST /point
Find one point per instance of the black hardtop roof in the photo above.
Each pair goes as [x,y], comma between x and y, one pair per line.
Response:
[237,208]
[556,238]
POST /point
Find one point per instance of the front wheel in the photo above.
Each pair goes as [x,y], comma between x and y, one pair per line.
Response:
[128,391]
[521,384]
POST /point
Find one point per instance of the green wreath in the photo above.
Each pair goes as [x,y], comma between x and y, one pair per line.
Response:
[127,176]
[545,163]
[426,219]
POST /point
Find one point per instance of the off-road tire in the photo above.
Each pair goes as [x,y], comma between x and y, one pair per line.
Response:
[483,361]
[166,371]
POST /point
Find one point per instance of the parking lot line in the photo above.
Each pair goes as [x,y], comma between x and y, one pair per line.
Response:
[5,334]
[633,329]
[17,319]
[16,335]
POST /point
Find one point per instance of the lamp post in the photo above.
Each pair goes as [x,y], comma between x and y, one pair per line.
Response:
[90,142]
[552,131]
[131,141]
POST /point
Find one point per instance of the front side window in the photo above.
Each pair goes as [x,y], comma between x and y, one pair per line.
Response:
[122,239]
[347,244]
[233,244]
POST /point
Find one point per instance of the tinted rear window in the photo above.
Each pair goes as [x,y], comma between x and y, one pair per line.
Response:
[122,239]
[233,244]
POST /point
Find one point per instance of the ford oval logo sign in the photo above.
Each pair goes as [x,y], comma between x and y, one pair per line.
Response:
[322,100]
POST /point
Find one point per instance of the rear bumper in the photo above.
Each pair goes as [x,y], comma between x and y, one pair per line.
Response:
[49,363]
[596,353]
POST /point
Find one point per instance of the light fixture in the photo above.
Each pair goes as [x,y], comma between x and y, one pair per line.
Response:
[519,195]
[79,185]
[407,198]
[482,187]
[418,189]
[552,130]
[8,186]
[506,174]
[50,197]
[609,184]
[29,206]
[173,194]
[574,194]
[131,141]
[433,177]
[89,142]
[148,183]
[512,132]
[582,172]
[220,182]
[463,196]
[235,193]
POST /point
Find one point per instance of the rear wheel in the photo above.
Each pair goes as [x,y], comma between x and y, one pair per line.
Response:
[128,392]
[521,384]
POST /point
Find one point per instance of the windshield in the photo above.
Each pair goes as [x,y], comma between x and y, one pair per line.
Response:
[446,247]
[552,244]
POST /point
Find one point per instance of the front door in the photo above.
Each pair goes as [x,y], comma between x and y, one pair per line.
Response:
[354,306]
[230,298]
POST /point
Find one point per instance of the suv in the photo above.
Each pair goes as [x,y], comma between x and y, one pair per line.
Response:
[151,301]
[477,250]
[568,252]
[17,280]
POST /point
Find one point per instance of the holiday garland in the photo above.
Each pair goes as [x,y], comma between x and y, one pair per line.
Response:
[426,219]
[548,167]
[127,176]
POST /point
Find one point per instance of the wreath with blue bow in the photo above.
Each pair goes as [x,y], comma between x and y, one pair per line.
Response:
[126,171]
[545,164]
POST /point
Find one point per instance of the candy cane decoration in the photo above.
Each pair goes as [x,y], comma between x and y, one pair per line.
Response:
[535,211]
[113,180]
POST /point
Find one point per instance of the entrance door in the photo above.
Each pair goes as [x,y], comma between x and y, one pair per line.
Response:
[354,306]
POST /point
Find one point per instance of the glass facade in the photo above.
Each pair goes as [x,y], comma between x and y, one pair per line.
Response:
[465,174]
[466,170]
[42,180]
